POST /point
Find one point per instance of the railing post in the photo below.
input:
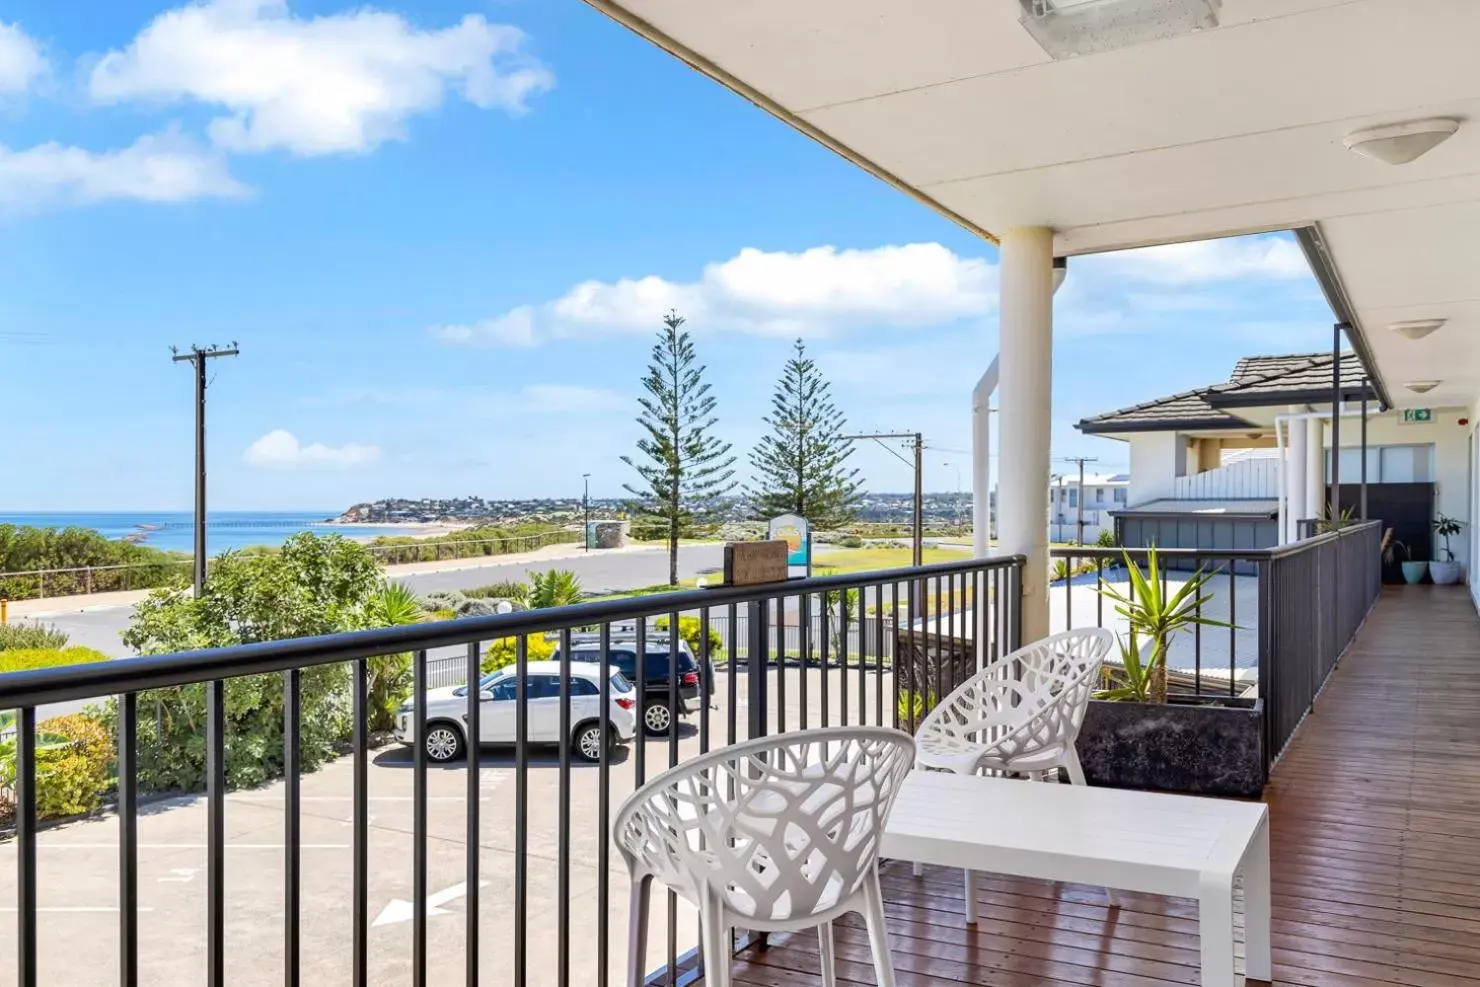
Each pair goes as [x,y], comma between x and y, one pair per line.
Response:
[1015,609]
[755,666]
[1264,576]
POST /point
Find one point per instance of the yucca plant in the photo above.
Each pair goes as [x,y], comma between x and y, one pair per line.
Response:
[555,588]
[389,678]
[1153,615]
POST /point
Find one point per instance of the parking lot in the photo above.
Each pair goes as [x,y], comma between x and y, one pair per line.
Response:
[78,866]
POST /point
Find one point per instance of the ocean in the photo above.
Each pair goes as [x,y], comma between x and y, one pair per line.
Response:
[175,530]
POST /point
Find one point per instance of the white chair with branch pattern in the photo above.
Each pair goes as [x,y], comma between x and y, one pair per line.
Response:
[1019,715]
[775,834]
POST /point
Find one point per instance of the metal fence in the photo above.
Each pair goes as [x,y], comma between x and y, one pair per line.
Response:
[1292,611]
[828,679]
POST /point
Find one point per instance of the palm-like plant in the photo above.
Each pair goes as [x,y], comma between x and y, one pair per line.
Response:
[555,588]
[1155,615]
[389,677]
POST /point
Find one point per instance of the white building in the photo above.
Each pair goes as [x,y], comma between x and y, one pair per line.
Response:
[1101,494]
[1254,452]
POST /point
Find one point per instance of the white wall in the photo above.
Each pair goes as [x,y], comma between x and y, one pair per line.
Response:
[1157,459]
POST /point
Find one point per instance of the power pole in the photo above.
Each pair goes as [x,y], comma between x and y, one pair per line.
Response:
[1079,523]
[198,357]
[586,508]
[919,511]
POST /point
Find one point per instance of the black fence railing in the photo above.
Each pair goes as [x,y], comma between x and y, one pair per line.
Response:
[1293,610]
[532,820]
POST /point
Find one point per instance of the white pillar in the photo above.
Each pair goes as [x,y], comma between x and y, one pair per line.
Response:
[1315,466]
[1025,352]
[981,462]
[1294,476]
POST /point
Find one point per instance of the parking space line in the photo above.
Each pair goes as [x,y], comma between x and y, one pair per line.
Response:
[189,846]
[74,908]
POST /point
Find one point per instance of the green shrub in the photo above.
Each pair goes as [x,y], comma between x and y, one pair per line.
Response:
[25,659]
[30,636]
[555,588]
[506,590]
[851,541]
[689,631]
[502,653]
[1106,539]
[71,777]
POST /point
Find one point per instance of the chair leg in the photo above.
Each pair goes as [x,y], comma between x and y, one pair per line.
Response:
[714,944]
[971,897]
[828,954]
[1071,763]
[637,931]
[878,930]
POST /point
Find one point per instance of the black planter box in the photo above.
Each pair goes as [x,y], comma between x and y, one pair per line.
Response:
[1198,746]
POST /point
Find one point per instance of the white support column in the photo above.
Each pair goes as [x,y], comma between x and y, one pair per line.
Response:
[981,462]
[1294,476]
[1315,467]
[1025,353]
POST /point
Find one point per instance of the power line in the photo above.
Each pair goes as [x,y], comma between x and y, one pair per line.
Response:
[919,508]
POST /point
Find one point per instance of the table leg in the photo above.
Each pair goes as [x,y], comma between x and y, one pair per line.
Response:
[1215,930]
[1257,907]
[970,897]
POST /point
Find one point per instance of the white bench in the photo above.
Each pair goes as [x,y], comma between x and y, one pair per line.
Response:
[1135,841]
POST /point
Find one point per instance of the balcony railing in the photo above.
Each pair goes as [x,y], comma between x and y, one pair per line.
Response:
[1294,609]
[871,648]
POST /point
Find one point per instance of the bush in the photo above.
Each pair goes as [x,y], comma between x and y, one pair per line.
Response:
[507,590]
[25,659]
[851,541]
[1106,538]
[688,631]
[30,636]
[71,776]
[502,653]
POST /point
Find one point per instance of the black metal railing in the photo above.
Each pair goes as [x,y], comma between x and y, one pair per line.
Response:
[1293,610]
[946,618]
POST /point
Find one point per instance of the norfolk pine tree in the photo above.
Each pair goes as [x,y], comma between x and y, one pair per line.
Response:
[801,467]
[684,467]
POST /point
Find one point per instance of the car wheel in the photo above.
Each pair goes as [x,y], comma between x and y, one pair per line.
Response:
[657,718]
[587,742]
[443,743]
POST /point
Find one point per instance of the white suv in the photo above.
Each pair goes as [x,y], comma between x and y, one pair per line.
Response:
[447,711]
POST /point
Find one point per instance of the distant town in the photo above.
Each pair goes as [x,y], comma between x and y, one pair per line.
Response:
[881,508]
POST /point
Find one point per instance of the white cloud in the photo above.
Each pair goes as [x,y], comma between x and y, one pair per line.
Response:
[21,61]
[280,449]
[155,168]
[814,292]
[571,398]
[345,82]
[1229,259]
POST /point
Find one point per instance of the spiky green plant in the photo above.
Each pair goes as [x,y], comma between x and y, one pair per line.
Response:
[555,588]
[1156,616]
[389,677]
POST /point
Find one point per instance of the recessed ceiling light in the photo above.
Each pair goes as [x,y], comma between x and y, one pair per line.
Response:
[1422,386]
[1065,28]
[1417,329]
[1400,143]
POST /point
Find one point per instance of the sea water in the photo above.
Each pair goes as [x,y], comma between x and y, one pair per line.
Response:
[175,530]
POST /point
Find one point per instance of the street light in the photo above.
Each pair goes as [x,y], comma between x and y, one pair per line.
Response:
[586,507]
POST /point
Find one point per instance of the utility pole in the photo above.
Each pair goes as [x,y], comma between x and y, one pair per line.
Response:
[198,357]
[586,507]
[1079,522]
[919,512]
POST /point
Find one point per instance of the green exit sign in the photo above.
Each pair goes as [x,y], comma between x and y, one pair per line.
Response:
[1413,416]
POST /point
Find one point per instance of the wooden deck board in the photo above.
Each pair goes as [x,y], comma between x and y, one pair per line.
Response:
[1375,828]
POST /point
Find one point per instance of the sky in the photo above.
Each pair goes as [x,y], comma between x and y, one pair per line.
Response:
[443,235]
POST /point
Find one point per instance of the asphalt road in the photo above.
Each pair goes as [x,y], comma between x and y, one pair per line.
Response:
[101,629]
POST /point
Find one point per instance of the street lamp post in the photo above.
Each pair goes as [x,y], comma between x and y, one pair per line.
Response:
[586,509]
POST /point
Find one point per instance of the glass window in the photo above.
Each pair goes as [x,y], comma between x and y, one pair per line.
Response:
[1073,496]
[544,687]
[1120,495]
[504,689]
[620,683]
[583,687]
[1099,495]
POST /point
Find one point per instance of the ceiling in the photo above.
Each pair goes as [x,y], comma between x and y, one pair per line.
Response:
[1232,130]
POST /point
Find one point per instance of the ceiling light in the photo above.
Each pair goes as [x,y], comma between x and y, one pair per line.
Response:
[1065,28]
[1417,329]
[1400,143]
[1421,386]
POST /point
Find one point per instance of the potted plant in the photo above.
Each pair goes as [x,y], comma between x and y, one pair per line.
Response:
[1392,548]
[1138,734]
[1448,571]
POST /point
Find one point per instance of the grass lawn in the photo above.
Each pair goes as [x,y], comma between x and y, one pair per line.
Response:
[846,560]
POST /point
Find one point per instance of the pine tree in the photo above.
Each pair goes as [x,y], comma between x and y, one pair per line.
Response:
[801,467]
[685,467]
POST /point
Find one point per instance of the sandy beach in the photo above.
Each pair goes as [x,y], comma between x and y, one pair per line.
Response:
[411,529]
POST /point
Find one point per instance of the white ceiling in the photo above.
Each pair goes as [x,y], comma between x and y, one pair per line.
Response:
[1232,130]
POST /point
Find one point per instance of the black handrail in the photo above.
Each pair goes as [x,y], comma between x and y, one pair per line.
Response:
[1214,554]
[73,682]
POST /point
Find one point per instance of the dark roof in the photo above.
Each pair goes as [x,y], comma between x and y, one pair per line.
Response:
[1259,380]
[1256,381]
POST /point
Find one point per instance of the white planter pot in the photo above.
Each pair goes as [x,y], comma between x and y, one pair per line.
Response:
[1446,573]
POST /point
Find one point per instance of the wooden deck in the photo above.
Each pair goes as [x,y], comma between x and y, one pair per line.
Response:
[1375,815]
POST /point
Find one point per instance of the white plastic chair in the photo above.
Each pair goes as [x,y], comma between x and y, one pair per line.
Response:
[1019,715]
[775,834]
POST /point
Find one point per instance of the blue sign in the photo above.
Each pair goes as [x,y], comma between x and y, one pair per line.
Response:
[797,534]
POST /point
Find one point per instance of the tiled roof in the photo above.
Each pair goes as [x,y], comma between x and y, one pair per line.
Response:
[1252,378]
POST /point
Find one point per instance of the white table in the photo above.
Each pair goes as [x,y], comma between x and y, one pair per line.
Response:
[1135,841]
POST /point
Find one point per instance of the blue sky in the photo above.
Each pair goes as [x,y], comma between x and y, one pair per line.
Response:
[442,234]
